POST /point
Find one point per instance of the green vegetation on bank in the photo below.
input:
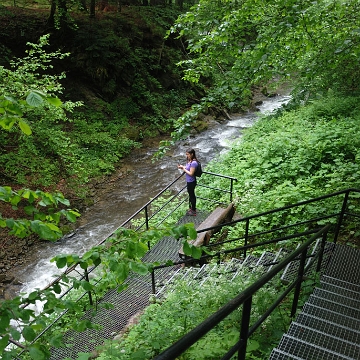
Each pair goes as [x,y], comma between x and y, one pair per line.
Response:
[184,307]
[296,155]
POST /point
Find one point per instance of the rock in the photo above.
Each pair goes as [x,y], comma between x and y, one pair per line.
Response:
[5,279]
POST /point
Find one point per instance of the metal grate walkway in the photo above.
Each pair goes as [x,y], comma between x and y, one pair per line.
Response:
[126,303]
[329,325]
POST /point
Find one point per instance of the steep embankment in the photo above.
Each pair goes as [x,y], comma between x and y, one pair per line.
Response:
[123,70]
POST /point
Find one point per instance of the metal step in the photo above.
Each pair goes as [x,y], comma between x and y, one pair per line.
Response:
[306,351]
[336,307]
[280,255]
[323,340]
[277,354]
[342,264]
[340,290]
[265,259]
[328,327]
[337,298]
[207,272]
[291,270]
[344,284]
[331,316]
[250,261]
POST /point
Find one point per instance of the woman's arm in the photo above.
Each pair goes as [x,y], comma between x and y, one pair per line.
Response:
[190,172]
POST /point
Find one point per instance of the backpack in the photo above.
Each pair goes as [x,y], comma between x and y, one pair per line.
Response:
[198,171]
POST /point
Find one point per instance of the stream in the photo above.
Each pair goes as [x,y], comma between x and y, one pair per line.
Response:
[129,193]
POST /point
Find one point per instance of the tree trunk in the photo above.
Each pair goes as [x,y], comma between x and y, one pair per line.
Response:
[180,4]
[62,10]
[92,8]
[51,19]
[83,4]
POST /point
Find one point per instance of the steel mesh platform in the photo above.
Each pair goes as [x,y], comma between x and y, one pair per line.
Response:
[277,354]
[127,303]
[329,325]
[322,339]
[340,331]
[291,270]
[331,316]
[330,285]
[344,265]
[337,298]
[335,307]
[305,351]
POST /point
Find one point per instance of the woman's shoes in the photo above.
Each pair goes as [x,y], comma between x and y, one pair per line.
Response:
[191,212]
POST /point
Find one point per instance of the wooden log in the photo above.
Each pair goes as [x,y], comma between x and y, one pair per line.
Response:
[217,217]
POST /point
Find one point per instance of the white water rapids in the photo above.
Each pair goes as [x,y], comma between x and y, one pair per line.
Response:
[130,193]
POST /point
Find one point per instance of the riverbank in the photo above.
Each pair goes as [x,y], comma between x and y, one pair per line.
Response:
[18,254]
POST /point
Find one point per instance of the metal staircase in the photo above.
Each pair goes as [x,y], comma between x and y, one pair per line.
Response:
[328,327]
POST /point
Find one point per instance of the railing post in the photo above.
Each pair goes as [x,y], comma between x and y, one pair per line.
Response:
[86,275]
[244,331]
[153,281]
[146,218]
[341,216]
[321,253]
[299,282]
[246,235]
[231,189]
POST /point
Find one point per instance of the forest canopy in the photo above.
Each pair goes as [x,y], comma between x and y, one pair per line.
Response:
[242,44]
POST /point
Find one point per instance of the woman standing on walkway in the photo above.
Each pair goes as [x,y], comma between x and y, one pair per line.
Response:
[190,169]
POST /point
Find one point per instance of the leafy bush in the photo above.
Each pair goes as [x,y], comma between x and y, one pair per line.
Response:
[290,157]
[184,307]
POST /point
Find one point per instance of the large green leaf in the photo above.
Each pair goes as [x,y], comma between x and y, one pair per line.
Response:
[36,352]
[4,342]
[35,98]
[4,322]
[25,128]
[46,231]
[54,101]
[28,333]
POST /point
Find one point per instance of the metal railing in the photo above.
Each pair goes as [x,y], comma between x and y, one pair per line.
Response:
[171,205]
[244,299]
[148,216]
[311,224]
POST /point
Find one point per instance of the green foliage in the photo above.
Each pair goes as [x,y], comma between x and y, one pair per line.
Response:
[41,209]
[119,256]
[295,156]
[236,45]
[139,90]
[184,307]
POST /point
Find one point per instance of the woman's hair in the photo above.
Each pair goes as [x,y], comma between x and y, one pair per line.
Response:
[192,153]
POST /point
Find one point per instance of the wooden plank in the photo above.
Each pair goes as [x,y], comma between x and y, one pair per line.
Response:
[217,217]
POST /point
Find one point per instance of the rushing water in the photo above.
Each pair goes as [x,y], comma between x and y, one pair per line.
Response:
[130,193]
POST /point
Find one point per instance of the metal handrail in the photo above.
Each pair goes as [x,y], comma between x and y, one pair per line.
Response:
[245,299]
[245,219]
[143,208]
[247,236]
